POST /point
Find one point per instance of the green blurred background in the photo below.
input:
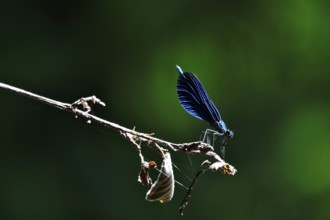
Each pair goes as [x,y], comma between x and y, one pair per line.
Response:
[265,65]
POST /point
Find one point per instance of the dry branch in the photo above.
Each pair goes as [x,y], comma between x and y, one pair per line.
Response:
[82,109]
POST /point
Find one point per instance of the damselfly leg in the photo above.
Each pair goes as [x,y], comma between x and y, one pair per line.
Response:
[216,139]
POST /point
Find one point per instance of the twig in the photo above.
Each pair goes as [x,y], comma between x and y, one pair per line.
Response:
[197,147]
[186,198]
[81,108]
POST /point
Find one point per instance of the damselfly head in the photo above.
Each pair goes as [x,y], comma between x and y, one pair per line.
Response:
[229,133]
[222,128]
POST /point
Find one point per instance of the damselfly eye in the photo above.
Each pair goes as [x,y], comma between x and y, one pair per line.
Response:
[230,134]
